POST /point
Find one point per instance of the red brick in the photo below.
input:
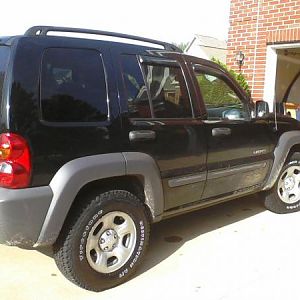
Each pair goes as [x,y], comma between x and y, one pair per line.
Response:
[275,24]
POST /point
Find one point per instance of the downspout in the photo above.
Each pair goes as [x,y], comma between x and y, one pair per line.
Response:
[256,41]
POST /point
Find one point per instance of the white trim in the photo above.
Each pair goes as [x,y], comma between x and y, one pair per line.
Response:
[270,77]
[270,71]
[256,42]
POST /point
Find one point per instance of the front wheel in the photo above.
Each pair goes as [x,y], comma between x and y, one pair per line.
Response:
[102,246]
[284,197]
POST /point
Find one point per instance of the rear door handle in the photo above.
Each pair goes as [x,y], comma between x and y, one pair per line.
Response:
[222,131]
[141,135]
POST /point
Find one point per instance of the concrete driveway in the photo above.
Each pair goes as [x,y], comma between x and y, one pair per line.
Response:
[236,250]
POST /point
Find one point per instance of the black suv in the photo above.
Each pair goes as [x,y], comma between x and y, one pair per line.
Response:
[99,139]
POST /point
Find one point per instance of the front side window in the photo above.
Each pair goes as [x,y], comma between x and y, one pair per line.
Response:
[168,91]
[73,86]
[220,99]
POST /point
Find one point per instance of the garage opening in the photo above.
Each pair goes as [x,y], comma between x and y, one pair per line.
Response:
[287,82]
[282,79]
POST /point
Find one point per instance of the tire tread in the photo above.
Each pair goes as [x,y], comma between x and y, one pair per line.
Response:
[63,247]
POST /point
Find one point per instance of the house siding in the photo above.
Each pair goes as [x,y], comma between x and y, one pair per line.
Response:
[254,24]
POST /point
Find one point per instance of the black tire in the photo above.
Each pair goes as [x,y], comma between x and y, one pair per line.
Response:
[78,260]
[282,198]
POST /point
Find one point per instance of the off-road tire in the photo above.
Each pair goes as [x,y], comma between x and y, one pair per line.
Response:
[70,251]
[284,197]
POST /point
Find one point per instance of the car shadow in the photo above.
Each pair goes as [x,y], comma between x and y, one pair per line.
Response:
[167,236]
[170,235]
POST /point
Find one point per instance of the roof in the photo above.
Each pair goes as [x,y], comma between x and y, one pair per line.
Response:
[207,47]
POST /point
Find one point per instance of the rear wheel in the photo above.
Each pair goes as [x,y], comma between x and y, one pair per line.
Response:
[102,246]
[284,197]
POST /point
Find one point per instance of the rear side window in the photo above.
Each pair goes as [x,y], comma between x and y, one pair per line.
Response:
[136,91]
[4,58]
[168,91]
[73,86]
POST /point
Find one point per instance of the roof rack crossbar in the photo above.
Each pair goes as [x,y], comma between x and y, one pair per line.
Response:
[43,30]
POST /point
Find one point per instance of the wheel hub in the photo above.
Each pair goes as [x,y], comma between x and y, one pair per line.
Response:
[289,183]
[111,242]
[108,240]
[288,187]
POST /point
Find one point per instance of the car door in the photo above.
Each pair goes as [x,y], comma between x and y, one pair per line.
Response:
[239,148]
[160,121]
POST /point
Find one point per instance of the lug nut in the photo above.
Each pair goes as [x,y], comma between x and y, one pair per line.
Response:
[102,241]
[107,233]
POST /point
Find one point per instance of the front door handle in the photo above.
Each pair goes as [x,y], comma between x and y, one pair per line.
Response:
[221,131]
[141,135]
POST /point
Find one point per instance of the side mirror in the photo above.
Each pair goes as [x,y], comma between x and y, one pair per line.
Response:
[261,108]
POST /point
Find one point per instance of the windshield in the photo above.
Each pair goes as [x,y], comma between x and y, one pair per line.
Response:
[4,57]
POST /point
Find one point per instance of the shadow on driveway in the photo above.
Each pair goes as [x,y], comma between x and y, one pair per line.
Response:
[169,235]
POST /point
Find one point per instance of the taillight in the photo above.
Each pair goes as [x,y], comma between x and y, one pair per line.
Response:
[15,162]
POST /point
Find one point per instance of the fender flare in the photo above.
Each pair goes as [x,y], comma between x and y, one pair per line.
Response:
[143,164]
[74,175]
[286,141]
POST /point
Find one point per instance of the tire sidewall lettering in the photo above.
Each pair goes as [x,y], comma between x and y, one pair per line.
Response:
[86,233]
[134,257]
[138,251]
[295,206]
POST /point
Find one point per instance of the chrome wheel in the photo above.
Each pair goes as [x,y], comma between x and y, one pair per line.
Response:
[111,242]
[288,188]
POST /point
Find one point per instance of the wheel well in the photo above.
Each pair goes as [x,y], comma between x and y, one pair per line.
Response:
[132,184]
[293,150]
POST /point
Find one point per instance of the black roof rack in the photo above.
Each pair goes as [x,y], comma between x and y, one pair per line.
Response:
[43,30]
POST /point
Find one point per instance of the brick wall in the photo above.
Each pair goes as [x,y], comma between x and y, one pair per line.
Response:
[253,25]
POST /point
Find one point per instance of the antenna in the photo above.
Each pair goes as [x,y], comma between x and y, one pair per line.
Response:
[275,114]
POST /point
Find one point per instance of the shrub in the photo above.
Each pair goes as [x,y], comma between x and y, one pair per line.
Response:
[239,77]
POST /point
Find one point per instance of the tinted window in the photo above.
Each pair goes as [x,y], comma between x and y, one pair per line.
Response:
[4,57]
[168,91]
[136,91]
[73,87]
[220,99]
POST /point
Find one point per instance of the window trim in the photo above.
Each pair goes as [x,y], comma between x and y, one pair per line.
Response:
[144,59]
[80,123]
[148,60]
[219,74]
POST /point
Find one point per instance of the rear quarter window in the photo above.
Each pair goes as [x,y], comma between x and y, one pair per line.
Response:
[73,86]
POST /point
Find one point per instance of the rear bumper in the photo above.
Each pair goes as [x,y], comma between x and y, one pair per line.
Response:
[22,214]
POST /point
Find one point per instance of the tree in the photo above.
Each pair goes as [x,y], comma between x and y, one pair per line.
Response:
[239,77]
[181,45]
